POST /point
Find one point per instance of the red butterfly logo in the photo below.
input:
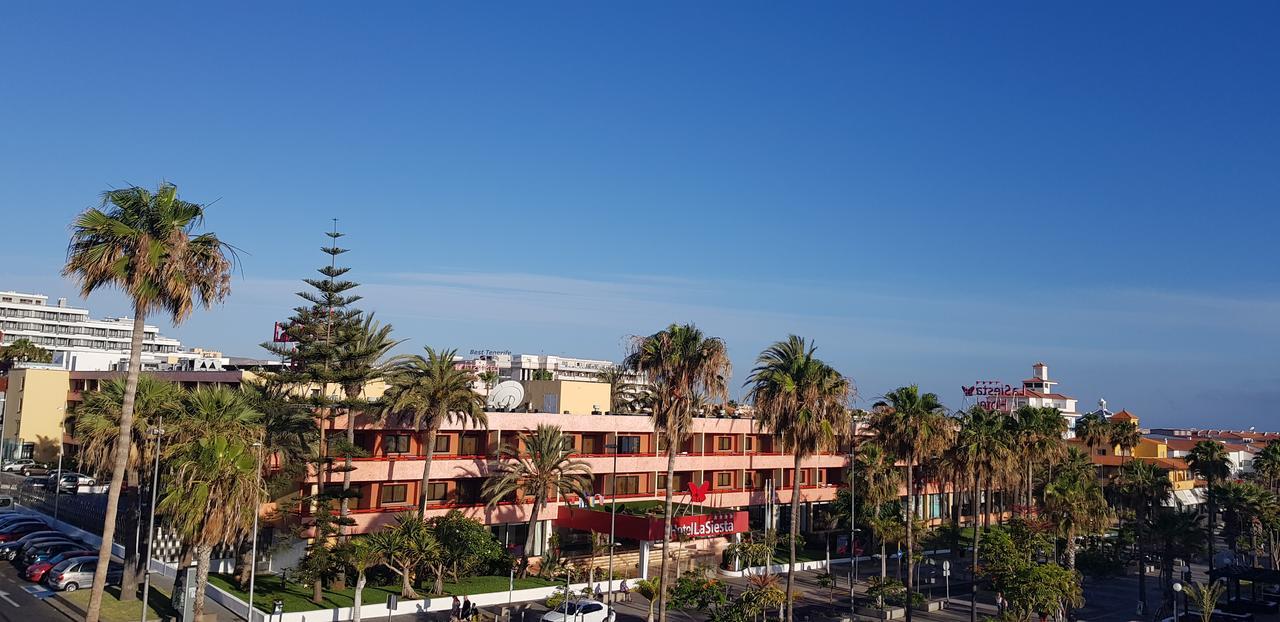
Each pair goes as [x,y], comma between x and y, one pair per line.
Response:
[698,492]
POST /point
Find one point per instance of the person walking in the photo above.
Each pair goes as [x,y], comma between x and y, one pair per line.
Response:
[455,610]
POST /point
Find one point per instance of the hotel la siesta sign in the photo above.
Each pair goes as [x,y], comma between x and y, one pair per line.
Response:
[710,525]
[991,394]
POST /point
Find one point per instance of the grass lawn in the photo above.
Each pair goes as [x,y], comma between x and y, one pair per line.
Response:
[115,611]
[297,597]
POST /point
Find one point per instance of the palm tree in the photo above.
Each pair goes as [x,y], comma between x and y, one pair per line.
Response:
[1074,502]
[406,546]
[802,401]
[289,427]
[1209,460]
[145,244]
[23,351]
[1144,488]
[983,450]
[211,500]
[1094,429]
[1177,535]
[622,391]
[1125,435]
[1267,465]
[1243,505]
[1040,433]
[649,589]
[913,426]
[684,367]
[489,378]
[98,426]
[879,482]
[360,360]
[361,555]
[434,391]
[540,464]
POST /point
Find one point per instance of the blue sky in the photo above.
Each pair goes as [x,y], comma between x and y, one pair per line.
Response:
[935,193]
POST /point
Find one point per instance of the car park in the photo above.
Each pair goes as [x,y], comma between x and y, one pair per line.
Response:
[77,572]
[13,532]
[36,572]
[578,611]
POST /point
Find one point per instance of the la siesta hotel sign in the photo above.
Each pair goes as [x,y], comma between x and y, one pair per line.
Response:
[991,394]
[710,525]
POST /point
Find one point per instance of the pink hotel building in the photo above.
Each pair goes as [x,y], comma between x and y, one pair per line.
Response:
[729,454]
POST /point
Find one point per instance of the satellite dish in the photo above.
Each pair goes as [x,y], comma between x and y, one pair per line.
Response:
[506,395]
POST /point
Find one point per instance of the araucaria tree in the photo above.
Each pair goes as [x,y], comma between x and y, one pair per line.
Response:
[685,368]
[434,392]
[539,464]
[803,402]
[914,426]
[147,245]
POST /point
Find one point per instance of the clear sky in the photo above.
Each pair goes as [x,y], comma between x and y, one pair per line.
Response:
[934,192]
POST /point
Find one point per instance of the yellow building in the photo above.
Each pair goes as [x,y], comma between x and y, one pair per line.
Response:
[568,397]
[1109,459]
[34,410]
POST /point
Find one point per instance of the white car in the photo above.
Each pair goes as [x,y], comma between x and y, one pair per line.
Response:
[578,611]
[14,466]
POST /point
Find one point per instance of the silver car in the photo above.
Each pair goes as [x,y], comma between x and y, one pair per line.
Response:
[77,572]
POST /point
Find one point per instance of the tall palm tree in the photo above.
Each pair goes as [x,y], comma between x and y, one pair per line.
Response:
[913,426]
[684,367]
[802,401]
[98,427]
[289,428]
[1266,464]
[539,464]
[1040,432]
[434,391]
[1209,460]
[361,359]
[211,499]
[1176,535]
[1125,435]
[983,450]
[1094,429]
[146,245]
[1144,488]
[1074,501]
[1243,506]
[879,483]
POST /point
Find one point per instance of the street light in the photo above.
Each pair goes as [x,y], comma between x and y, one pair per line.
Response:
[1177,587]
[157,432]
[57,485]
[613,510]
[853,515]
[253,549]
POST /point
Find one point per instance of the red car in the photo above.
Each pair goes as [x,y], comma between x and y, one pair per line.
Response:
[35,572]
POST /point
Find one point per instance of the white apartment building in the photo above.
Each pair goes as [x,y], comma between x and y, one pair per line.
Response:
[1037,391]
[523,366]
[80,343]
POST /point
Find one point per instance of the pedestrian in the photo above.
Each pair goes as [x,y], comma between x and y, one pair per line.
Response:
[455,610]
[624,591]
[466,608]
[599,592]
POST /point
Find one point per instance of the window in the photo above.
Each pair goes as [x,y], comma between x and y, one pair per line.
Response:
[804,477]
[662,481]
[751,443]
[628,444]
[724,443]
[570,442]
[442,444]
[724,479]
[394,493]
[437,492]
[395,444]
[627,484]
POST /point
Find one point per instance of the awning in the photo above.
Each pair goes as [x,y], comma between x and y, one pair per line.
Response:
[1184,498]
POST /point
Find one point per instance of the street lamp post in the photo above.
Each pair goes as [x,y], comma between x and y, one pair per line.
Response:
[253,548]
[57,485]
[158,432]
[1177,589]
[853,516]
[613,511]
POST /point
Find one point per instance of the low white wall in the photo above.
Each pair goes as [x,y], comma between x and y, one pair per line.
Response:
[373,610]
[813,565]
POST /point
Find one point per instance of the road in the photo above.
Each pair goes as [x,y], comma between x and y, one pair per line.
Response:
[22,601]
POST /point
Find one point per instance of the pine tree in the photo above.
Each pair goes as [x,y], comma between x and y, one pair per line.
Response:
[316,340]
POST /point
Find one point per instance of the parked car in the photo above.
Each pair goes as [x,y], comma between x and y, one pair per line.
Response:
[14,548]
[70,482]
[34,469]
[579,611]
[15,466]
[40,552]
[19,517]
[36,571]
[77,572]
[13,532]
